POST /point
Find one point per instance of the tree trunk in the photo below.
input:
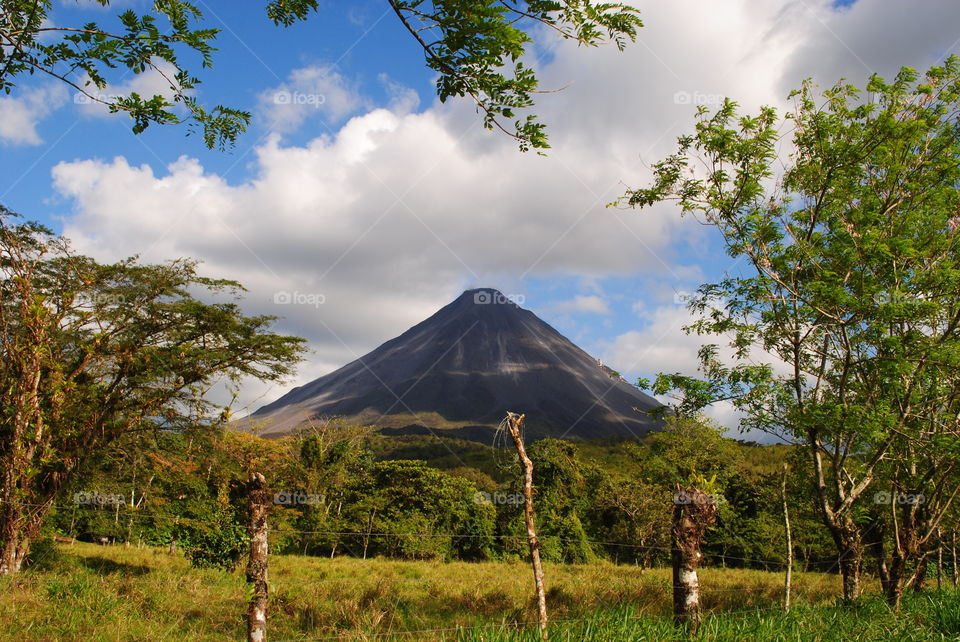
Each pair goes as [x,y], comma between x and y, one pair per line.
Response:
[17,529]
[953,552]
[836,513]
[693,512]
[366,537]
[13,555]
[920,579]
[873,542]
[894,588]
[849,543]
[172,549]
[514,422]
[257,564]
[851,561]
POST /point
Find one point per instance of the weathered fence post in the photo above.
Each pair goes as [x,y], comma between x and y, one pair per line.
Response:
[939,559]
[786,522]
[514,422]
[693,512]
[257,565]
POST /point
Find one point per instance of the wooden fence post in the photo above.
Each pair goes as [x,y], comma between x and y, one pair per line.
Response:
[786,521]
[257,565]
[514,422]
[693,512]
[939,559]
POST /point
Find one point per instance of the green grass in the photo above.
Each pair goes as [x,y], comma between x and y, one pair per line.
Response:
[114,593]
[934,616]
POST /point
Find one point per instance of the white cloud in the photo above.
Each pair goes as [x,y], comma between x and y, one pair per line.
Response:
[871,36]
[582,303]
[661,346]
[21,113]
[314,90]
[402,99]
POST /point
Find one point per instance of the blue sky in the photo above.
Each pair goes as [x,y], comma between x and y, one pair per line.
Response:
[373,205]
[361,38]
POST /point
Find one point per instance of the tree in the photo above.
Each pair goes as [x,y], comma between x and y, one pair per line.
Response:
[406,509]
[852,286]
[91,352]
[920,489]
[628,516]
[561,498]
[475,46]
[687,447]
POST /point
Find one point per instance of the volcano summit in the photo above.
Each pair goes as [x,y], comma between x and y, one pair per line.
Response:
[459,371]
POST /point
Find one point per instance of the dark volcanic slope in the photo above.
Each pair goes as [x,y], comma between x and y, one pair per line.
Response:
[470,363]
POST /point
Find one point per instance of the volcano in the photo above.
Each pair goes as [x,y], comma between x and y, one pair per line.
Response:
[459,371]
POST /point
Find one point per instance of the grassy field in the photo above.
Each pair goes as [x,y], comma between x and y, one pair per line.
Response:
[89,592]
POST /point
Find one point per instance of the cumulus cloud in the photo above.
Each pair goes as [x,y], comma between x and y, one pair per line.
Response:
[584,303]
[871,36]
[661,346]
[21,114]
[314,90]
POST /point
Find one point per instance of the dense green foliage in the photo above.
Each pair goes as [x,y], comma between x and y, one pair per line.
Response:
[93,353]
[845,321]
[334,497]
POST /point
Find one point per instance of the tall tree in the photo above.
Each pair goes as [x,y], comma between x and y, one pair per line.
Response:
[475,46]
[920,484]
[91,352]
[852,285]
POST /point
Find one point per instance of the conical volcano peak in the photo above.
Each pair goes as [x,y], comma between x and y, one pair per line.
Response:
[461,369]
